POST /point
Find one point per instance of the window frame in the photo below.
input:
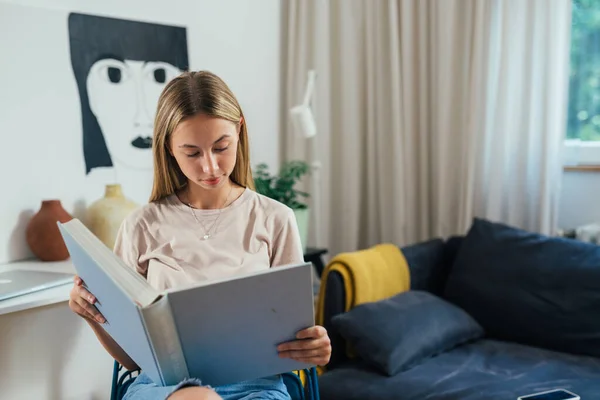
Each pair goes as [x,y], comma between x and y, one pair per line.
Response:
[581,153]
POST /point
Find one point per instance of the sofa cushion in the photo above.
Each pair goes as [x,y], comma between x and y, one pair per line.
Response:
[426,265]
[529,288]
[397,333]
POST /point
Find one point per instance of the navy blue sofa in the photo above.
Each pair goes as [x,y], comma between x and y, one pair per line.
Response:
[536,298]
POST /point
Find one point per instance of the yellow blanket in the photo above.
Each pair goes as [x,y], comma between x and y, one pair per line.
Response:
[369,275]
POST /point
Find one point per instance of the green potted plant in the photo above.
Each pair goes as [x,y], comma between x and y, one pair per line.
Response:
[282,187]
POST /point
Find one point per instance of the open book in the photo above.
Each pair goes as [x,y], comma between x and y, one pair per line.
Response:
[220,331]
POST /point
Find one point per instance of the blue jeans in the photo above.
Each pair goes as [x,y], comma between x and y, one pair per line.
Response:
[270,388]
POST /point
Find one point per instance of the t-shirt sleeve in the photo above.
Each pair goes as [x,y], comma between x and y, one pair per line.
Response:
[287,246]
[129,244]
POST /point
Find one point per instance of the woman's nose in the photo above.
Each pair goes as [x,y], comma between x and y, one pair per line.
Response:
[209,164]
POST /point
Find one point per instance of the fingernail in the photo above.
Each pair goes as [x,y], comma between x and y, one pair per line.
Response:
[91,299]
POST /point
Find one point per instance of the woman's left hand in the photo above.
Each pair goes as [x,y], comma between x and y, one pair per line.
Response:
[312,347]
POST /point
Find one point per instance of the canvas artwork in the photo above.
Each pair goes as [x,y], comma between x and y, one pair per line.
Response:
[121,67]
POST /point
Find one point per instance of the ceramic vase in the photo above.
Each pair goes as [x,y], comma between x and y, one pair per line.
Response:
[42,234]
[104,216]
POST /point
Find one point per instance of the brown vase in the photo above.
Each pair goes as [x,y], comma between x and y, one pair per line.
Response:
[42,234]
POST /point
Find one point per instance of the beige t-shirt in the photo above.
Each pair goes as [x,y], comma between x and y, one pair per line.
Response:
[164,242]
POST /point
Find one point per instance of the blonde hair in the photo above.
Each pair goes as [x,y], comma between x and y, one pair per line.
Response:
[189,94]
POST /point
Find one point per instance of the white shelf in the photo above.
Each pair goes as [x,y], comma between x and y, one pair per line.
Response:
[44,297]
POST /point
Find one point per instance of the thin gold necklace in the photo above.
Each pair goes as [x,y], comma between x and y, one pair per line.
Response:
[207,233]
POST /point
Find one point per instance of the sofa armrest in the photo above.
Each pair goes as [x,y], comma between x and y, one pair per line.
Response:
[334,304]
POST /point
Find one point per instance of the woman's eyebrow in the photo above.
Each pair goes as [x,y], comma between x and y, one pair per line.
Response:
[193,146]
[221,138]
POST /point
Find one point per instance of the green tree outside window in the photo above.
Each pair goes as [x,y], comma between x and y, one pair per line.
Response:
[584,80]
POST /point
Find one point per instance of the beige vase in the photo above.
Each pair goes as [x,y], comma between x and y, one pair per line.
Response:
[104,216]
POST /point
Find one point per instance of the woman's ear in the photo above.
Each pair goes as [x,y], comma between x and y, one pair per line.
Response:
[240,124]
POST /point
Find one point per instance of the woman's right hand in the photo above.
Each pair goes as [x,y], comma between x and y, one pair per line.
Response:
[82,302]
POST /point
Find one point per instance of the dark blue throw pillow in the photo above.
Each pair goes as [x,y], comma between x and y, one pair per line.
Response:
[395,334]
[529,288]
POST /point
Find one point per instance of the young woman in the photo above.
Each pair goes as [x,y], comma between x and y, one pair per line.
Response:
[204,221]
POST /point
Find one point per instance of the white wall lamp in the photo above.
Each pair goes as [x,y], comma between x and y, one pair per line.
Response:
[304,125]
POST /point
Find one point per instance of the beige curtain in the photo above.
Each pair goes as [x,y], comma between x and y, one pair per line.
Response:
[429,113]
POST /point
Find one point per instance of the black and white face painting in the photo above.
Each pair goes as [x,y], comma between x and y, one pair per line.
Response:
[123,97]
[121,67]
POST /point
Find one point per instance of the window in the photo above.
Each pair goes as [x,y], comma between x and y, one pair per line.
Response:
[584,79]
[583,117]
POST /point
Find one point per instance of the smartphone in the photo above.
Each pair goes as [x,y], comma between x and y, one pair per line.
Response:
[556,394]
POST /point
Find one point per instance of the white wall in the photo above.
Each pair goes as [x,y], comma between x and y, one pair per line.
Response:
[39,111]
[580,199]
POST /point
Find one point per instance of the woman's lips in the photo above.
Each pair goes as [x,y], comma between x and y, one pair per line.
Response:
[212,181]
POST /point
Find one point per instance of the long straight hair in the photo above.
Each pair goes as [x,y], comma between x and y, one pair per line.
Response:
[185,96]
